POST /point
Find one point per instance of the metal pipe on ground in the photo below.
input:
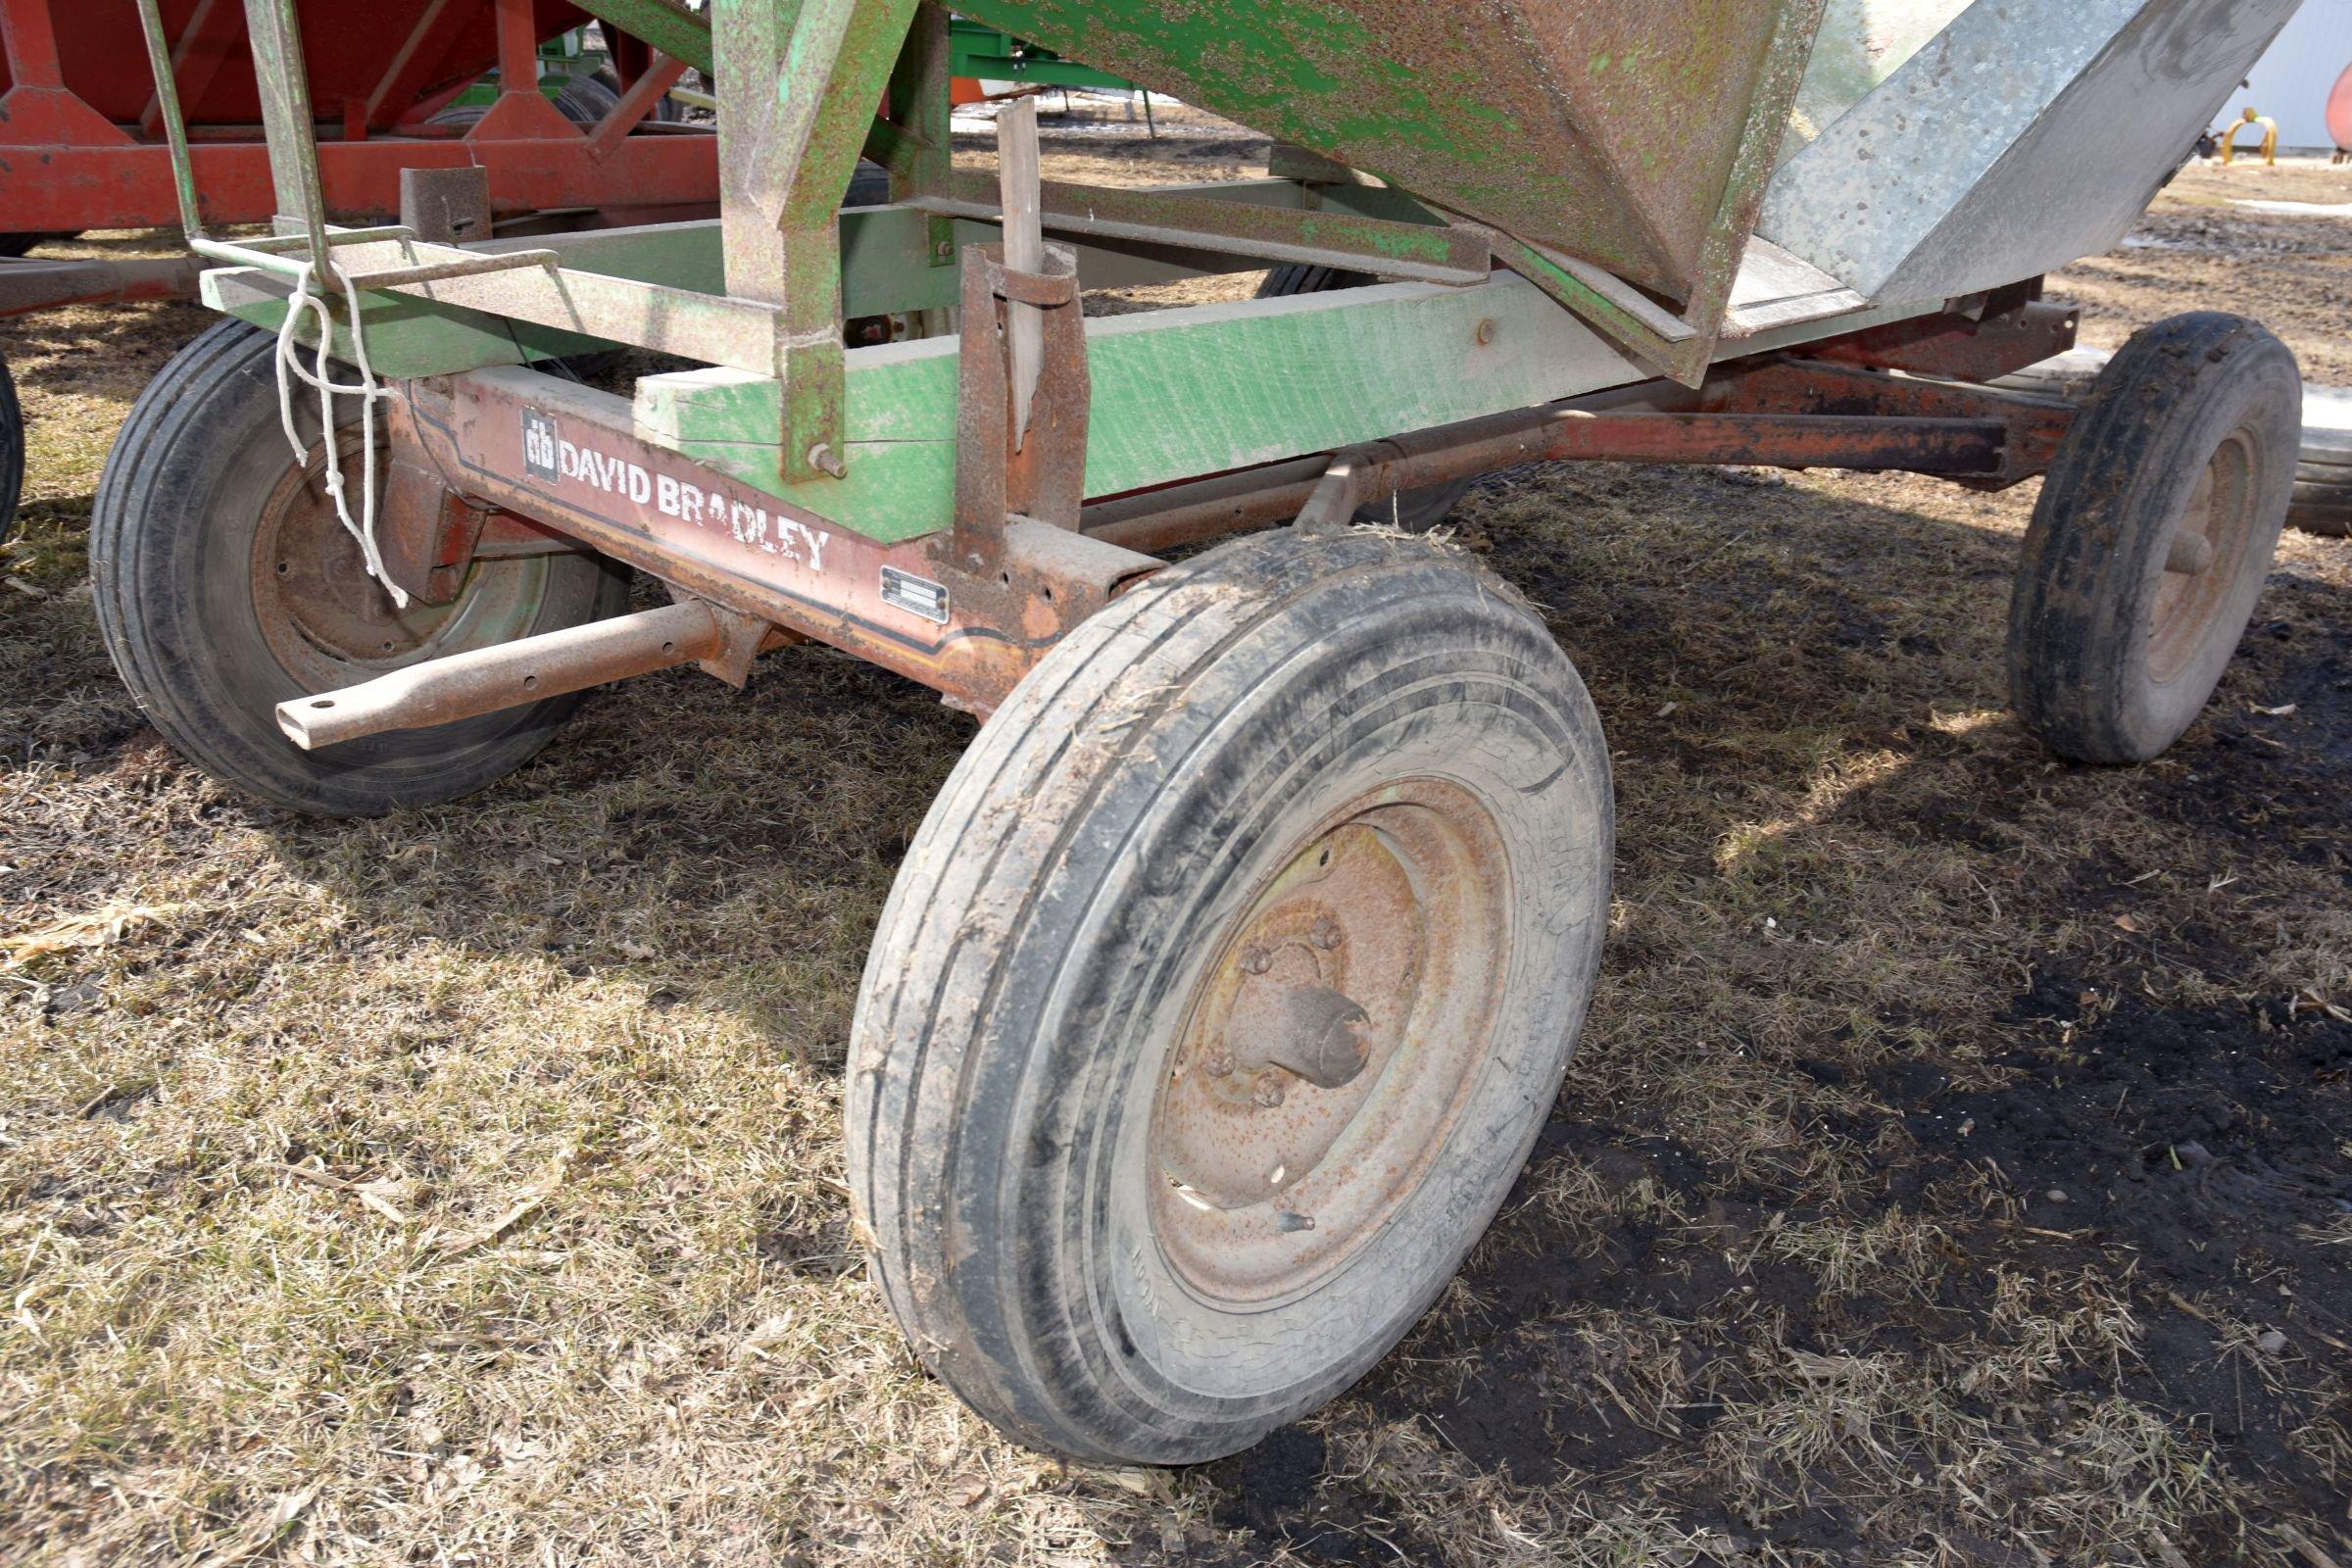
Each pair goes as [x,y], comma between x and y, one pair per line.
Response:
[484,680]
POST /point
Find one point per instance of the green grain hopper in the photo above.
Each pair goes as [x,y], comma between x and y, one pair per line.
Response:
[1226,987]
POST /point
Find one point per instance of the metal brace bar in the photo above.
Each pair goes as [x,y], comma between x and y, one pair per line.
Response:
[280,244]
[469,266]
[1424,253]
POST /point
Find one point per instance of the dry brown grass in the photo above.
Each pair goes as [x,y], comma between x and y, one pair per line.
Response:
[464,1188]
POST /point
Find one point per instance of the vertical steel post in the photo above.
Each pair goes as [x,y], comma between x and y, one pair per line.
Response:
[799,83]
[290,127]
[517,47]
[922,155]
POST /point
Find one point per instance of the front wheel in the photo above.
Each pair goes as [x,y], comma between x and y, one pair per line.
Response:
[224,585]
[1224,991]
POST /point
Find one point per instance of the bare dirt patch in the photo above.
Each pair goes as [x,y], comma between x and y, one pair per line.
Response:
[1958,1169]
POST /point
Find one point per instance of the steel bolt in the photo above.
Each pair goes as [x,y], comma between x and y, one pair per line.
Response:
[1220,1065]
[1269,1093]
[1485,332]
[822,460]
[1328,934]
[1256,960]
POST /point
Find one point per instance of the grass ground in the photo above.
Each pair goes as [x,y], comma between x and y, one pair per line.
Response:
[1957,1168]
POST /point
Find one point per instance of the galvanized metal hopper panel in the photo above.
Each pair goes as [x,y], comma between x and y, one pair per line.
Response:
[2015,143]
[1612,132]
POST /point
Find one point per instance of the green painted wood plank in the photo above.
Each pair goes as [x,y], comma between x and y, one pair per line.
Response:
[1177,394]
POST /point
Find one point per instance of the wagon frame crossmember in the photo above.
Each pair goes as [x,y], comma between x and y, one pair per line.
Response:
[1196,1053]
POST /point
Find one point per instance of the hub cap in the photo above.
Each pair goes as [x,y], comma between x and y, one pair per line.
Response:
[2208,546]
[1331,1043]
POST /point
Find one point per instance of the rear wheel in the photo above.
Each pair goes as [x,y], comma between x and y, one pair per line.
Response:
[2153,537]
[1411,511]
[1224,991]
[225,584]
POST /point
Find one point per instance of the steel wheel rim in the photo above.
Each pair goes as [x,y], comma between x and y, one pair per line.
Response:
[2191,606]
[1382,942]
[329,625]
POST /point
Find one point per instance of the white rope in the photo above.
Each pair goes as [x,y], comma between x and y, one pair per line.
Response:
[366,389]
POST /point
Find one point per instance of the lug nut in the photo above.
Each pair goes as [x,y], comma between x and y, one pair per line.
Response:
[1269,1094]
[1256,961]
[1220,1065]
[1328,934]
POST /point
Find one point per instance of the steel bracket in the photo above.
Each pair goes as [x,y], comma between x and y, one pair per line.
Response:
[2006,333]
[1000,473]
[738,642]
[445,205]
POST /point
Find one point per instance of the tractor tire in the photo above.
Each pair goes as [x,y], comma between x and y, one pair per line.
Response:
[585,101]
[2190,431]
[224,585]
[869,186]
[667,111]
[1318,823]
[1409,511]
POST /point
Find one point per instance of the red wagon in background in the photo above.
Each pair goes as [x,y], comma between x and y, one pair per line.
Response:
[81,141]
[82,133]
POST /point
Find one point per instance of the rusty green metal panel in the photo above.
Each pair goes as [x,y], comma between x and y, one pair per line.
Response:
[1612,132]
[672,28]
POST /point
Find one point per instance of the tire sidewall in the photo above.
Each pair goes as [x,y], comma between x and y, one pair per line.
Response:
[1302,1351]
[2269,409]
[12,453]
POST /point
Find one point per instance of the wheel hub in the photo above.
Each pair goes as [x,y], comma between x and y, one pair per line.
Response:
[2202,557]
[1287,1024]
[324,617]
[1330,1041]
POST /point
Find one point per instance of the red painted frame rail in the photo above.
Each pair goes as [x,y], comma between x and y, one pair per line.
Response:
[81,144]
